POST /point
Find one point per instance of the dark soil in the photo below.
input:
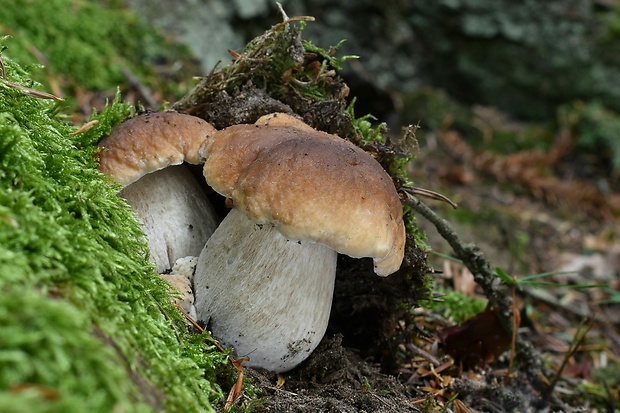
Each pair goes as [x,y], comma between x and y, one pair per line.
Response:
[333,379]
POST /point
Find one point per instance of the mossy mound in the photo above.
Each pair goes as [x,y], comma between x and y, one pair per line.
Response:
[86,43]
[86,324]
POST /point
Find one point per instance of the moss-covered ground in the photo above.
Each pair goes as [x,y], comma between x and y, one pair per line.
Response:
[86,324]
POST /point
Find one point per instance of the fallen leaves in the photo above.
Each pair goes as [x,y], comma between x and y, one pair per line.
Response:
[529,169]
[478,341]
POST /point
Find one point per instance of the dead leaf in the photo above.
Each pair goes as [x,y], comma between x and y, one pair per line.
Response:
[235,392]
[477,341]
[280,382]
[45,392]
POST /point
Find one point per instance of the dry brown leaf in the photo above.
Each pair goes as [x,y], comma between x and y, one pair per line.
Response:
[477,341]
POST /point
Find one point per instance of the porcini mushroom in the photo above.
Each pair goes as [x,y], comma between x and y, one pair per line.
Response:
[265,279]
[173,209]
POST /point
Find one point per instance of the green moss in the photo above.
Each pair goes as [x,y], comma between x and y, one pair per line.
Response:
[48,343]
[455,305]
[328,55]
[84,43]
[88,317]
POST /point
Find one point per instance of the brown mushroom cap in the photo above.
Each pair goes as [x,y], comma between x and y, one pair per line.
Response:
[283,119]
[312,186]
[150,142]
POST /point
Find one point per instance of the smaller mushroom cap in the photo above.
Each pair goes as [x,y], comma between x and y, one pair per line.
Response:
[150,142]
[312,186]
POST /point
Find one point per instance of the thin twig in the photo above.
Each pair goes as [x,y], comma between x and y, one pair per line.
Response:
[28,91]
[281,10]
[32,92]
[578,340]
[497,294]
[421,352]
[414,190]
[293,19]
[85,127]
[142,88]
[200,329]
[235,391]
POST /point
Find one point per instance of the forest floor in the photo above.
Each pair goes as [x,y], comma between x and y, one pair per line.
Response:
[531,212]
[568,348]
[566,355]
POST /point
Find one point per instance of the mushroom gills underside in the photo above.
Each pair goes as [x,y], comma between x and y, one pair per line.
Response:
[266,296]
[174,213]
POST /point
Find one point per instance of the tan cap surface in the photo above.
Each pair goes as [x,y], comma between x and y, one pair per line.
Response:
[311,186]
[283,119]
[150,142]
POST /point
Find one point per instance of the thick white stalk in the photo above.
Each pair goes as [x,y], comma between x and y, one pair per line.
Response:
[174,212]
[264,295]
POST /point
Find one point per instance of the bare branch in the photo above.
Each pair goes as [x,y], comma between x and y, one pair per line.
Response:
[484,275]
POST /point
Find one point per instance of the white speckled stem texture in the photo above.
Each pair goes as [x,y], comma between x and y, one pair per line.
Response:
[174,212]
[264,295]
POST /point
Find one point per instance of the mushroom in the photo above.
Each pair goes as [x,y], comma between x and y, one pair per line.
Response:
[265,279]
[180,279]
[145,154]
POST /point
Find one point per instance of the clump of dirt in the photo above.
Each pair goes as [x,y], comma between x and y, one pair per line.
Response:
[274,73]
[333,379]
[336,378]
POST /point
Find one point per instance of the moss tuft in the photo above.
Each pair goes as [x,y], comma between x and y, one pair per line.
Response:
[90,323]
[74,44]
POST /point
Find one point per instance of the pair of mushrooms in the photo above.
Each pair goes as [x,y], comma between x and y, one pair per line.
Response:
[265,275]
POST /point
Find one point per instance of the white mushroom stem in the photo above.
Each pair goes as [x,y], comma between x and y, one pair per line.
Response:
[274,311]
[174,214]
